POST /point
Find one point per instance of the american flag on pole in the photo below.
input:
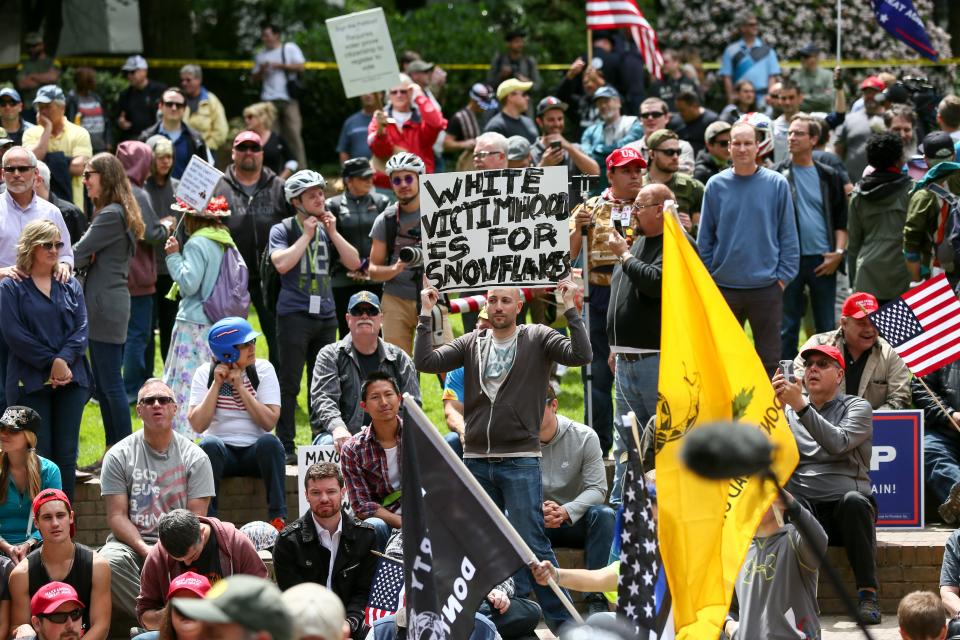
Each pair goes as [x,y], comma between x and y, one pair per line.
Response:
[922,325]
[614,14]
[386,592]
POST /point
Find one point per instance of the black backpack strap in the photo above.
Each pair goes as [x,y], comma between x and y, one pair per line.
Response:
[253,376]
[392,228]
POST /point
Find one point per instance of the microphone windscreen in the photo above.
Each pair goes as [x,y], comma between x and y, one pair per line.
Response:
[724,450]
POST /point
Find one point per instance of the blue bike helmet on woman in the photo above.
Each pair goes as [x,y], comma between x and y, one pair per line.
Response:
[228,334]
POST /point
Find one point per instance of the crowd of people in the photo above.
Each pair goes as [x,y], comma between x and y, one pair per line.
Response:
[788,197]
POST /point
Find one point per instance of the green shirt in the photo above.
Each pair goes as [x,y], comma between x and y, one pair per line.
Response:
[689,192]
[817,89]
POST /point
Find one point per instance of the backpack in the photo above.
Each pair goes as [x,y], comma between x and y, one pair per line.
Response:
[251,372]
[269,276]
[947,250]
[231,293]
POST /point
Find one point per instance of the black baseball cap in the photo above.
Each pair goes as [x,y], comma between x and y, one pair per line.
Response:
[357,168]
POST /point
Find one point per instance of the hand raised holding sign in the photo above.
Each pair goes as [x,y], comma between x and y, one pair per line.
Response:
[569,290]
[429,297]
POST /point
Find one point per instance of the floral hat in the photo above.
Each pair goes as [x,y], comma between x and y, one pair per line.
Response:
[216,208]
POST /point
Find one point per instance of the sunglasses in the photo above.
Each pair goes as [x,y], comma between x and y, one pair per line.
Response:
[480,155]
[88,173]
[652,114]
[721,143]
[397,92]
[821,364]
[149,401]
[6,428]
[174,105]
[249,148]
[8,103]
[50,246]
[357,312]
[61,617]
[404,180]
[668,152]
[23,168]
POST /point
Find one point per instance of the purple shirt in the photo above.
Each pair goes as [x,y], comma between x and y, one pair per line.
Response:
[13,219]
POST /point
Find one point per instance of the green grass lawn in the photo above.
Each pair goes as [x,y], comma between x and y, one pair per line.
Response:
[91,427]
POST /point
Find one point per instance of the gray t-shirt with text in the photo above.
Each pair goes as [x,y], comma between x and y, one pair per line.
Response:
[405,284]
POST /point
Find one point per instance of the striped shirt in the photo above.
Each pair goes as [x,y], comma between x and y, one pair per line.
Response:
[231,422]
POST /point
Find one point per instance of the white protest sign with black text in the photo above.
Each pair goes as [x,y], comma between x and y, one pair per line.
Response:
[306,456]
[500,227]
[365,58]
[197,183]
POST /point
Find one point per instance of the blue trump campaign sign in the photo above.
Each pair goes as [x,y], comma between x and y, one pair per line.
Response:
[900,19]
[896,468]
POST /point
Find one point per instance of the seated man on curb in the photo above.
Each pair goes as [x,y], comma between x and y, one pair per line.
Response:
[240,607]
[874,371]
[317,613]
[941,442]
[205,546]
[235,404]
[60,559]
[341,368]
[833,432]
[371,459]
[146,474]
[574,488]
[950,580]
[56,613]
[329,547]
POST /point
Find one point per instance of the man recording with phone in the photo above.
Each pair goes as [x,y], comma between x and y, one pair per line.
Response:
[833,431]
[552,149]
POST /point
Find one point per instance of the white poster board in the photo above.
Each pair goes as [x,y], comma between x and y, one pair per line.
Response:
[364,52]
[197,183]
[306,456]
[503,227]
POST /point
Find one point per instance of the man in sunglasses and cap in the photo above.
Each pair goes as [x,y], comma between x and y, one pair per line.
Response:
[56,613]
[834,432]
[664,168]
[63,560]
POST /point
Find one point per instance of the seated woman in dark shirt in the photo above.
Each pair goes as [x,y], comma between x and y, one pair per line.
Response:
[44,322]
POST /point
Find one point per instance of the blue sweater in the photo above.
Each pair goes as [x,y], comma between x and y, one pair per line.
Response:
[748,230]
[195,271]
[15,511]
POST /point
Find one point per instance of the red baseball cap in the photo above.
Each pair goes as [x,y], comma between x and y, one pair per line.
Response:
[826,350]
[623,156]
[50,495]
[52,595]
[859,305]
[254,137]
[189,581]
[872,82]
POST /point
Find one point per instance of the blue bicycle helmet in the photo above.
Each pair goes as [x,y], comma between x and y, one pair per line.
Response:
[226,335]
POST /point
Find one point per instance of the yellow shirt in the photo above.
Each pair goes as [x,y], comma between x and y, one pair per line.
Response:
[73,141]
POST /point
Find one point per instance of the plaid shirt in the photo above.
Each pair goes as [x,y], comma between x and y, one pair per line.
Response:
[364,465]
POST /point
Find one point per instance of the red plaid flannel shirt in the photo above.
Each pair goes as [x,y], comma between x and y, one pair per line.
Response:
[364,465]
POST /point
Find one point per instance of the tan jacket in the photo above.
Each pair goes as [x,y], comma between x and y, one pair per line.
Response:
[601,259]
[210,120]
[885,382]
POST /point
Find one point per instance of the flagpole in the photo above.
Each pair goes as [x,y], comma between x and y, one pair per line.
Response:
[519,545]
[589,47]
[936,399]
[839,29]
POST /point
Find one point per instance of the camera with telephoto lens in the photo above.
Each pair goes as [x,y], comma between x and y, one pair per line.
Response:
[413,256]
[925,98]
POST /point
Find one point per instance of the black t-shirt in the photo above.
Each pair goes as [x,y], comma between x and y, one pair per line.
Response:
[854,370]
[208,562]
[368,364]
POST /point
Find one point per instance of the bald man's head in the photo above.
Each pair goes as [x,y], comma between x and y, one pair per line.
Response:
[648,208]
[503,306]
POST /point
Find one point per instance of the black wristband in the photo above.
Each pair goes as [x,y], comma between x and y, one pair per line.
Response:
[803,411]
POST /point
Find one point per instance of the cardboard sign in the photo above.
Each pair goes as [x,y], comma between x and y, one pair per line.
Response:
[198,182]
[503,227]
[896,469]
[306,456]
[364,52]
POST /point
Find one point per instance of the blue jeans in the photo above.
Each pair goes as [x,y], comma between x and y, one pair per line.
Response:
[453,439]
[515,486]
[58,436]
[324,437]
[139,330]
[593,533]
[382,530]
[941,462]
[262,459]
[603,420]
[636,390]
[106,360]
[823,293]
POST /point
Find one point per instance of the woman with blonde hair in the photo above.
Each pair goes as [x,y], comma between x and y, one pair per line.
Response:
[44,323]
[259,117]
[105,251]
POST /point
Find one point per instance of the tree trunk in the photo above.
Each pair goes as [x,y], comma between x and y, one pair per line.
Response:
[166,28]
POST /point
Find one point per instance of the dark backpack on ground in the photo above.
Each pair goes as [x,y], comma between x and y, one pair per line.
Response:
[269,276]
[231,291]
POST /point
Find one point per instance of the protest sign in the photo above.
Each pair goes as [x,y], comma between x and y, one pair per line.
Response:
[308,455]
[896,469]
[364,52]
[503,227]
[197,183]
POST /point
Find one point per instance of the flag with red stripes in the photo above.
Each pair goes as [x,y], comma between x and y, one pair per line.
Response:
[616,14]
[922,325]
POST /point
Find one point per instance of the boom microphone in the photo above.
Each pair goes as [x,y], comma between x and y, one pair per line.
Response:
[724,450]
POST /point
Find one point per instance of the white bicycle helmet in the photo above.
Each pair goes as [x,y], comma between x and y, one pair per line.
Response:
[300,182]
[405,161]
[764,125]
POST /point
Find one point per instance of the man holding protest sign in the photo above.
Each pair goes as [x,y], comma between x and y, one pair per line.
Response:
[601,214]
[506,371]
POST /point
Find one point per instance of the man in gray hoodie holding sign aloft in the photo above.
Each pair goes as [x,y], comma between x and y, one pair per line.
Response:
[505,373]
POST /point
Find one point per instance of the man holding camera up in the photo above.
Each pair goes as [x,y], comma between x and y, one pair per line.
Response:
[395,255]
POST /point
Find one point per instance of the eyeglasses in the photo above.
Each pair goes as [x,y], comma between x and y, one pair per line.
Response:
[50,246]
[357,312]
[775,96]
[402,180]
[652,114]
[249,148]
[797,133]
[61,617]
[480,155]
[668,152]
[174,105]
[721,143]
[647,206]
[149,401]
[820,364]
[22,168]
[88,173]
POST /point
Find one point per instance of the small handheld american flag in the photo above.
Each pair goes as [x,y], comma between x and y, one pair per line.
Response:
[922,325]
[386,591]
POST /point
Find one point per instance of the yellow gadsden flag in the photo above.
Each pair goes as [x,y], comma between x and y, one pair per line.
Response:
[709,371]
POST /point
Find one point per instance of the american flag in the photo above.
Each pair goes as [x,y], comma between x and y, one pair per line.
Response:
[614,14]
[922,325]
[385,591]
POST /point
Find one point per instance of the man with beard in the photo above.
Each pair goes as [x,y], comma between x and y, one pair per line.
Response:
[612,132]
[654,116]
[186,140]
[552,148]
[664,169]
